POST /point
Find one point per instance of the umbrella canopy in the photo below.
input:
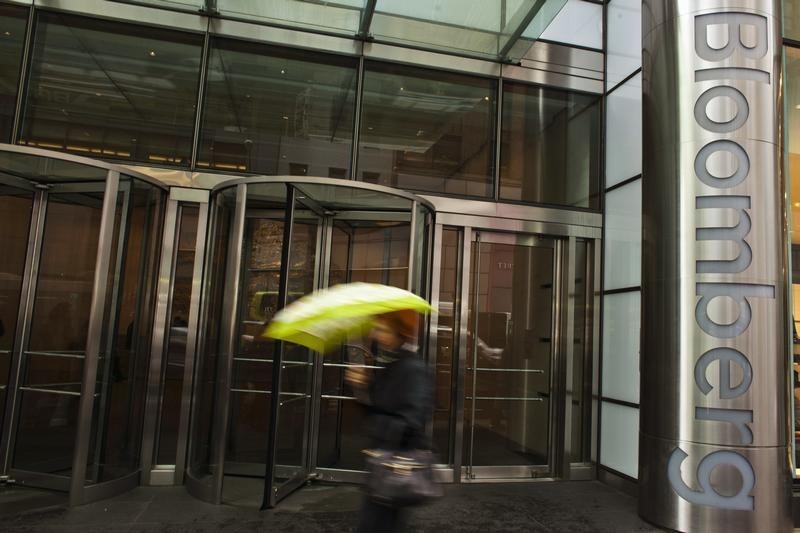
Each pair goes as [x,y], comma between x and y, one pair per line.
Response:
[325,318]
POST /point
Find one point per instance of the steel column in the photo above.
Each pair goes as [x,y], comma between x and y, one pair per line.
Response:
[714,420]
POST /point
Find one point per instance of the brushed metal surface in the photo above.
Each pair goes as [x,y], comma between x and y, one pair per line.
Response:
[714,364]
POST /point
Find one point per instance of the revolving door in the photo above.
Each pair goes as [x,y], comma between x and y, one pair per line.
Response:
[79,240]
[268,416]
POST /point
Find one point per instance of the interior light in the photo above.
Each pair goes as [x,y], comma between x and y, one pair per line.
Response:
[283,71]
[797,106]
[7,33]
[797,204]
[486,98]
[284,117]
[402,88]
[152,53]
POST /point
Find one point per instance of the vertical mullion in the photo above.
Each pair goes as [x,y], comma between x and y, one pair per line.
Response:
[357,118]
[462,326]
[23,76]
[269,499]
[201,96]
[93,337]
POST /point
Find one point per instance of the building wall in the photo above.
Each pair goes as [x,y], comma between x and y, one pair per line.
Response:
[619,406]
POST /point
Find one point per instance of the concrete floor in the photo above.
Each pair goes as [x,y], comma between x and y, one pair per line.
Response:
[582,506]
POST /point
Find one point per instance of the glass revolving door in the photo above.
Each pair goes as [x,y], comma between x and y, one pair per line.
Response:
[77,295]
[270,415]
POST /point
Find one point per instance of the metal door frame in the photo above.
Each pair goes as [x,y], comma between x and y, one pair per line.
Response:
[469,470]
[80,489]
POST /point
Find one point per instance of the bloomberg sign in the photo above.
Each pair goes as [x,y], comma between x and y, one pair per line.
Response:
[714,416]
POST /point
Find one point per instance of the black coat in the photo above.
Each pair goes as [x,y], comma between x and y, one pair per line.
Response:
[401,404]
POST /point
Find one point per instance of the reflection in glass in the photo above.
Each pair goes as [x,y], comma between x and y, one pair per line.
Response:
[112,90]
[122,371]
[342,17]
[51,379]
[13,21]
[15,218]
[447,340]
[177,332]
[550,147]
[277,111]
[424,130]
[507,397]
[202,452]
[579,384]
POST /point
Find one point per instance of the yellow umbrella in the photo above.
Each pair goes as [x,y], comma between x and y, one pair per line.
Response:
[323,319]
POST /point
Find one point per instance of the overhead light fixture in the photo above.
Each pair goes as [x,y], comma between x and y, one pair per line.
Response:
[284,117]
[152,53]
[7,33]
[797,204]
[283,71]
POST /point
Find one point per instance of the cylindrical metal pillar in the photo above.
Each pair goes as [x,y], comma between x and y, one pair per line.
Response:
[714,397]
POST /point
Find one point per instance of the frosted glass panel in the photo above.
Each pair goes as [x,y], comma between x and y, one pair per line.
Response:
[624,132]
[624,40]
[619,438]
[623,267]
[579,23]
[621,324]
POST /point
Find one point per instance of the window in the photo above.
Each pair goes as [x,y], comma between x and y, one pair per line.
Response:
[427,131]
[13,21]
[276,111]
[550,147]
[112,90]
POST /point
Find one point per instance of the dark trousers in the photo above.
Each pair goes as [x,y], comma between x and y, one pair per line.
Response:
[377,518]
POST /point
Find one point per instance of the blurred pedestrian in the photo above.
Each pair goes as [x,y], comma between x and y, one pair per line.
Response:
[400,404]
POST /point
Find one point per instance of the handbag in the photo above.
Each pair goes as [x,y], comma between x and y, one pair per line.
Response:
[402,478]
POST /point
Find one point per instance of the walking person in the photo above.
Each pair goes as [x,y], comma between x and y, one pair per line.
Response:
[399,404]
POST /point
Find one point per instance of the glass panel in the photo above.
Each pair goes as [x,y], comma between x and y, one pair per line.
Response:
[296,370]
[579,373]
[619,438]
[621,324]
[624,132]
[51,378]
[792,163]
[277,111]
[623,250]
[447,340]
[175,355]
[551,147]
[362,250]
[112,90]
[13,22]
[342,17]
[791,20]
[183,5]
[15,218]
[508,377]
[123,369]
[202,456]
[428,131]
[465,27]
[624,40]
[578,23]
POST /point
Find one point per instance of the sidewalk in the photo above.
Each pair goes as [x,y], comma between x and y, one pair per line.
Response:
[582,506]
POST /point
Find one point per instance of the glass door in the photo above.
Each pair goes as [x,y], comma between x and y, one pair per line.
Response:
[16,210]
[363,247]
[510,352]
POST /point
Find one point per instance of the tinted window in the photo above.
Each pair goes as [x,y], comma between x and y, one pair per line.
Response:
[13,21]
[112,90]
[427,131]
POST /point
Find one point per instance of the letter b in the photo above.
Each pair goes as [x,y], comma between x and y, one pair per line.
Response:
[734,24]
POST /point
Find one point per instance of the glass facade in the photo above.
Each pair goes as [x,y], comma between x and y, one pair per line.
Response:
[13,23]
[112,90]
[424,130]
[119,91]
[516,335]
[548,153]
[274,111]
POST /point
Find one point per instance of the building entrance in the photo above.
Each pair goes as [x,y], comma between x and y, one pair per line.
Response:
[510,349]
[297,237]
[79,243]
